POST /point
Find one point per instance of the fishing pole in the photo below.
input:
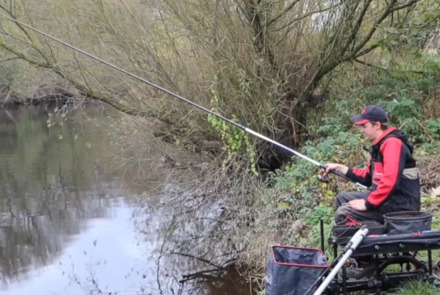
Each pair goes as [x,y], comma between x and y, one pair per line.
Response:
[244,128]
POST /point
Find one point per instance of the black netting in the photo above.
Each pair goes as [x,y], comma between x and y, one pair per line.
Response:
[293,270]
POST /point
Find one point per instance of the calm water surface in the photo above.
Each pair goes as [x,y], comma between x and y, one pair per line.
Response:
[69,226]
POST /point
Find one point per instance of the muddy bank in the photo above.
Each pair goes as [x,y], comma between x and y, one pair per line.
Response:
[51,97]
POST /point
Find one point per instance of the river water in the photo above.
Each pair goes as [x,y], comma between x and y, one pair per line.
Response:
[71,225]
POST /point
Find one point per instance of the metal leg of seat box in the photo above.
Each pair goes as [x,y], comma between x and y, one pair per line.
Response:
[340,261]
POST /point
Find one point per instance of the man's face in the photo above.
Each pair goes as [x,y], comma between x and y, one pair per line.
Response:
[371,131]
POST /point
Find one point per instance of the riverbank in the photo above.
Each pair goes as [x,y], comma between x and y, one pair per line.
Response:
[48,97]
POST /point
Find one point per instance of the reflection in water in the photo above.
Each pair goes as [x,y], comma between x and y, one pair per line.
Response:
[195,255]
[103,259]
[51,181]
[67,227]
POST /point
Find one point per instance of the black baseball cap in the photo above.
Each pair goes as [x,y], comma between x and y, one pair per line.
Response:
[371,113]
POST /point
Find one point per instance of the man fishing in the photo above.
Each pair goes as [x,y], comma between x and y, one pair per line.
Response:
[391,172]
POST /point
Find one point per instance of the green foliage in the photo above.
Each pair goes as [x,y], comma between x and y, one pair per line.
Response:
[337,148]
[299,182]
[408,91]
[417,288]
[432,136]
[435,223]
[320,212]
[433,127]
[231,135]
[301,197]
[234,138]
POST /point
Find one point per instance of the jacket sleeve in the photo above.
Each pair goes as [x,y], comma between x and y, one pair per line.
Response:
[387,177]
[362,176]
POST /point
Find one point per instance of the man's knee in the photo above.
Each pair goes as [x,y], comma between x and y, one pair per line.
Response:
[345,197]
[341,213]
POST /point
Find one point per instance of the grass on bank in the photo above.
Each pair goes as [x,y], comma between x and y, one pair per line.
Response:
[417,288]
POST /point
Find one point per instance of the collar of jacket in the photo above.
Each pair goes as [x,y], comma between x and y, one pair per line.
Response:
[385,133]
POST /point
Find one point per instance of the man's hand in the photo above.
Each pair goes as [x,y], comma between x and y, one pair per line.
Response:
[358,204]
[332,167]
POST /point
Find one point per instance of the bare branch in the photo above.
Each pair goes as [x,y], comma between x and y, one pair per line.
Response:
[406,5]
[295,20]
[364,51]
[370,65]
[198,258]
[387,11]
[285,11]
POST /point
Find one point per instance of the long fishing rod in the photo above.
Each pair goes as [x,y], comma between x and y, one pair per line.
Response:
[244,128]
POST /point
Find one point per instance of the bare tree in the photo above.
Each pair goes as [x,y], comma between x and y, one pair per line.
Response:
[259,61]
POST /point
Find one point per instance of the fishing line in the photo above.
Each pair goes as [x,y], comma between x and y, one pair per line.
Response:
[244,128]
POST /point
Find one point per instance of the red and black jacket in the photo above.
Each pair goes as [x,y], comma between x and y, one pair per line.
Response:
[392,174]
